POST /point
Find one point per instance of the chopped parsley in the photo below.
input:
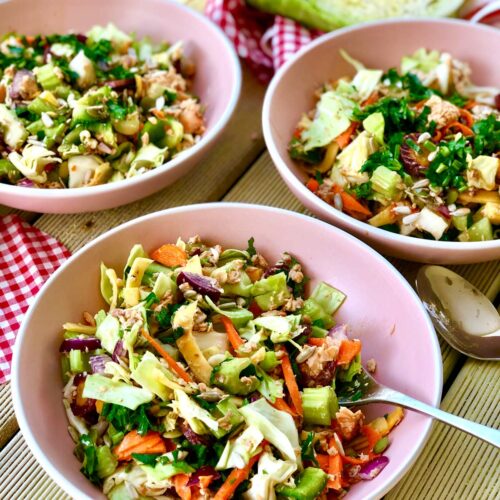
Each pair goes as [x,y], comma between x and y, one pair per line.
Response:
[89,467]
[164,316]
[487,136]
[307,449]
[251,249]
[123,419]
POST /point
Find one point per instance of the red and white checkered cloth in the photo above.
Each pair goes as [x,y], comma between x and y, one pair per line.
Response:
[266,42]
[27,258]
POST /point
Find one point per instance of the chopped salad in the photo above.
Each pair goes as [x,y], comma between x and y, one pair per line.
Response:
[212,374]
[414,151]
[81,110]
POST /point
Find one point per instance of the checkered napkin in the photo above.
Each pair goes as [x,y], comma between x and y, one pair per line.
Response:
[266,42]
[27,258]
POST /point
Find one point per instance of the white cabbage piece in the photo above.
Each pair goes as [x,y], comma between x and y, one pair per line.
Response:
[33,161]
[198,418]
[277,427]
[84,68]
[270,472]
[333,116]
[238,452]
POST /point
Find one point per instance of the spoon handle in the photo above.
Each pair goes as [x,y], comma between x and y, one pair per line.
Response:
[483,432]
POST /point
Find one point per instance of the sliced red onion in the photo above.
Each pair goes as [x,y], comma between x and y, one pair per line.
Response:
[191,436]
[444,211]
[80,344]
[339,332]
[497,101]
[205,470]
[200,284]
[119,352]
[98,363]
[18,88]
[81,37]
[124,83]
[26,183]
[373,468]
[277,268]
[86,410]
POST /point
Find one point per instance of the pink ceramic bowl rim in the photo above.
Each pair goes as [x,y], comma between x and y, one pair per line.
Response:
[88,192]
[436,360]
[321,205]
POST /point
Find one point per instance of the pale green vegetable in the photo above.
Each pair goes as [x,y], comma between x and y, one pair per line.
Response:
[109,286]
[108,332]
[328,15]
[353,157]
[150,374]
[239,316]
[323,303]
[482,171]
[366,81]
[375,124]
[238,452]
[271,388]
[421,60]
[11,128]
[387,182]
[333,116]
[277,427]
[148,156]
[136,251]
[198,418]
[160,471]
[270,472]
[282,328]
[112,391]
[120,40]
[33,161]
[271,292]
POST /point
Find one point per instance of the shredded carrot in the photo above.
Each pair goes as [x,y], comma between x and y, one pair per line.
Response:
[166,356]
[158,113]
[372,99]
[349,349]
[350,203]
[355,461]
[290,382]
[345,137]
[323,461]
[282,405]
[181,487]
[98,406]
[460,127]
[470,104]
[371,435]
[133,442]
[335,467]
[315,341]
[438,135]
[232,335]
[234,479]
[170,255]
[312,184]
[420,104]
[297,133]
[467,117]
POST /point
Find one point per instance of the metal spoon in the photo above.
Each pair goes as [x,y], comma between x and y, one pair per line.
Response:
[373,392]
[461,314]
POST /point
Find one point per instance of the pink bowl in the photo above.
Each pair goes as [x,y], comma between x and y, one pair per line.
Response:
[381,306]
[377,45]
[218,83]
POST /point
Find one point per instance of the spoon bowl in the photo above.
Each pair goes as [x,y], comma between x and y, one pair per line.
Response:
[461,314]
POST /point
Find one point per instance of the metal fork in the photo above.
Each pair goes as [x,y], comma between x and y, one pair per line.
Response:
[373,392]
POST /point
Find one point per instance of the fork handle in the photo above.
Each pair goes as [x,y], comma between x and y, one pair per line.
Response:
[483,432]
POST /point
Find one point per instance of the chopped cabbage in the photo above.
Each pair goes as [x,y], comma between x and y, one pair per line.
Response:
[277,427]
[33,161]
[237,453]
[333,116]
[112,391]
[198,418]
[271,292]
[270,472]
[108,332]
[282,328]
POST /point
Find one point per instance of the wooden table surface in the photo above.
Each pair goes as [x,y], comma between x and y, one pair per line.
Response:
[452,465]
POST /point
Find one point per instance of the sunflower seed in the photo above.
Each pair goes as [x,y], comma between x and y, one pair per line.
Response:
[410,219]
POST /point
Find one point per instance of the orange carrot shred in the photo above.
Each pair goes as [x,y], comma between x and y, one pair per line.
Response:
[315,341]
[166,356]
[461,128]
[133,442]
[235,478]
[312,185]
[467,117]
[349,349]
[290,382]
[181,487]
[232,334]
[170,255]
[350,203]
[345,137]
[282,405]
